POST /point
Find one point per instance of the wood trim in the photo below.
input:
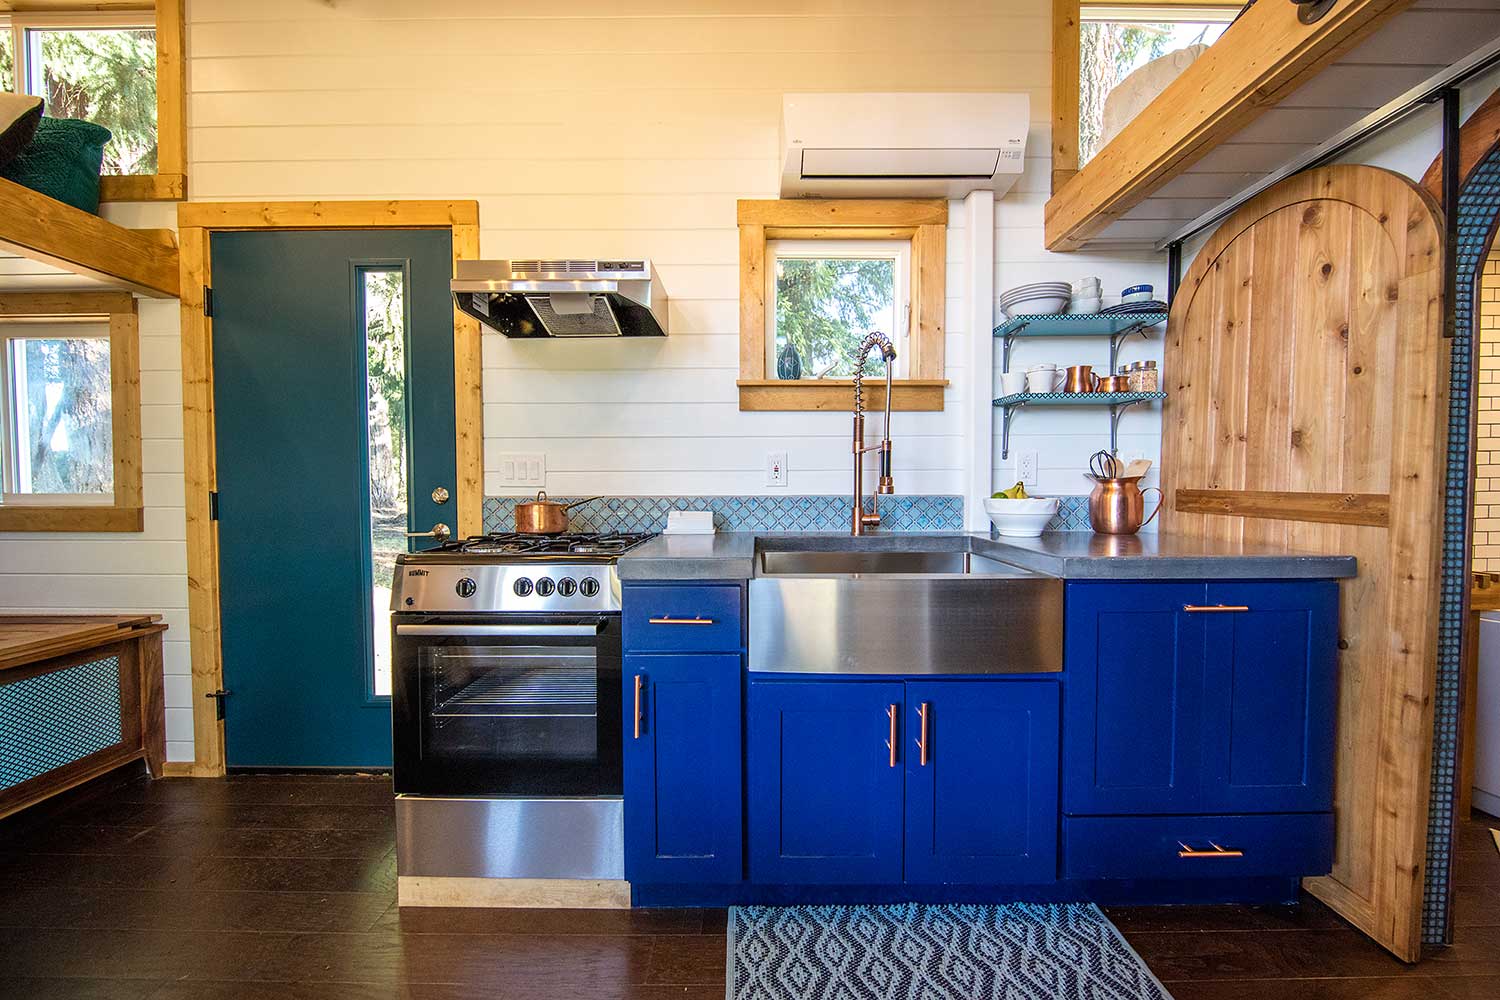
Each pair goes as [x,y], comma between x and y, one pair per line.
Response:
[103,518]
[1066,99]
[804,213]
[567,893]
[169,183]
[758,395]
[227,215]
[1330,508]
[922,221]
[1258,61]
[68,776]
[47,305]
[142,187]
[44,229]
[197,221]
[125,408]
[1477,138]
[186,769]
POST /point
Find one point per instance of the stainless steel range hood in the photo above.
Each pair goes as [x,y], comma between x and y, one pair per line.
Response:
[563,298]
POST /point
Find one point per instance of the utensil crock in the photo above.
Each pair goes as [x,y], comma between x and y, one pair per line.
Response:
[1118,506]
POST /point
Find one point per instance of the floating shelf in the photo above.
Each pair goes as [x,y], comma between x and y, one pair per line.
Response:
[1116,328]
[1117,402]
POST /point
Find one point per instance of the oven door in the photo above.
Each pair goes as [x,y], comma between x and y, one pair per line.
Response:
[498,705]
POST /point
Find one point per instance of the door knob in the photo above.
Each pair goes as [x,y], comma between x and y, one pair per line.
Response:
[440,532]
[440,495]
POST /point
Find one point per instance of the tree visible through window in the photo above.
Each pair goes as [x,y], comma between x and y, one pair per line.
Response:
[827,298]
[7,63]
[385,380]
[59,435]
[107,76]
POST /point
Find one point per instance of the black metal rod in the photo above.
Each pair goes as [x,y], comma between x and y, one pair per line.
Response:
[1174,269]
[1452,126]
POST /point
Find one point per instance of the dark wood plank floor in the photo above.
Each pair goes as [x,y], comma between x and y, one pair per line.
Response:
[258,887]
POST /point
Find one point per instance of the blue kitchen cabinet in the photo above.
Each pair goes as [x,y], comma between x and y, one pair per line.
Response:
[824,782]
[682,768]
[981,802]
[1192,698]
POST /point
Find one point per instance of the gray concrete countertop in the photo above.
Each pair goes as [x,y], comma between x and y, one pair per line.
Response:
[1069,555]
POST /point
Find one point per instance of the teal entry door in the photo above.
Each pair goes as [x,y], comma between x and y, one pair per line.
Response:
[334,428]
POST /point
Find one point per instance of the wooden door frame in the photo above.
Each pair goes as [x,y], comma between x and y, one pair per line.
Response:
[196,224]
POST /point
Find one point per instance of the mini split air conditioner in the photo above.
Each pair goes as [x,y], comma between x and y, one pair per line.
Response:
[895,145]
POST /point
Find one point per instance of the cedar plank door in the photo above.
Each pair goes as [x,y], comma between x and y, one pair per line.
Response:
[1307,379]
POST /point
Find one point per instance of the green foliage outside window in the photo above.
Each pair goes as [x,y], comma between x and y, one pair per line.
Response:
[825,306]
[62,413]
[7,64]
[106,76]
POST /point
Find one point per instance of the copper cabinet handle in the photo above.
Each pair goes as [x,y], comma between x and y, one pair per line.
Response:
[1215,607]
[922,735]
[639,683]
[890,713]
[1217,852]
[669,620]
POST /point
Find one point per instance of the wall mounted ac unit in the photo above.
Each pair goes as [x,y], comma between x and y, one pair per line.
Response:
[901,145]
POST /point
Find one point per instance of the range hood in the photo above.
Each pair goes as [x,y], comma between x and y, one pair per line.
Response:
[563,298]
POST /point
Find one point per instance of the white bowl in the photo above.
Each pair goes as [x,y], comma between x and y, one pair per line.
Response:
[1031,291]
[1048,305]
[1028,505]
[1085,306]
[1020,525]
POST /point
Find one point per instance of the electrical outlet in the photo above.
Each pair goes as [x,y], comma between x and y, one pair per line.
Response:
[1026,467]
[775,468]
[523,469]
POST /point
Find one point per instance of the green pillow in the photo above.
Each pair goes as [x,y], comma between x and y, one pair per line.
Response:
[63,161]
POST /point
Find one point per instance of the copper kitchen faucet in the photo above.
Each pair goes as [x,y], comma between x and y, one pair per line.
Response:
[859,519]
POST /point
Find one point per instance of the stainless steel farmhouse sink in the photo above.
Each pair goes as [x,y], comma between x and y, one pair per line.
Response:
[899,605]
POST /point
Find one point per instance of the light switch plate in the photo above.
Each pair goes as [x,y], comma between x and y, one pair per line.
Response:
[523,468]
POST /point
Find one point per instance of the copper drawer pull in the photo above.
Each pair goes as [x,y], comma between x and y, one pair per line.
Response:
[1217,852]
[1215,607]
[890,713]
[639,683]
[668,620]
[922,735]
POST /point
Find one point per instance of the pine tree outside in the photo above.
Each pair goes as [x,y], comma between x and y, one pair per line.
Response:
[827,295]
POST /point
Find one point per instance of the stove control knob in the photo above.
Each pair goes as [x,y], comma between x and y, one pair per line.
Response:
[465,588]
[567,587]
[544,587]
[588,587]
[522,587]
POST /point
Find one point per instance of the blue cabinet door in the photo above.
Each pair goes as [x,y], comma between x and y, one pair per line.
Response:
[982,806]
[824,793]
[682,769]
[1132,710]
[1269,697]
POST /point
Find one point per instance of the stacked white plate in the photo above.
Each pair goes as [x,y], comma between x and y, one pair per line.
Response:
[1041,298]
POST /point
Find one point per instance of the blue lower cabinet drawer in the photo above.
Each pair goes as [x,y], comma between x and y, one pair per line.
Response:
[697,619]
[1190,847]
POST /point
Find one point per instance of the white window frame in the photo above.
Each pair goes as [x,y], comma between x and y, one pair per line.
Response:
[19,24]
[897,251]
[10,449]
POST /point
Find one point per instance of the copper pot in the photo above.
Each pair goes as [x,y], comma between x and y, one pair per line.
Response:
[1118,506]
[544,517]
[1114,383]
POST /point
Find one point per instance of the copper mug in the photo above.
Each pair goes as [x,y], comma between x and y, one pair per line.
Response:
[1114,383]
[1118,506]
[1081,378]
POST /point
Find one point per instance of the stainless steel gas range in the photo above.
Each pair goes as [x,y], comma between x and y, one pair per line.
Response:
[506,708]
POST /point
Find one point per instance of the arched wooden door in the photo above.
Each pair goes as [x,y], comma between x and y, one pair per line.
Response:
[1307,375]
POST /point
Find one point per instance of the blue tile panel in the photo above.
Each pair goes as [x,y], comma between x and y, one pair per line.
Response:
[53,719]
[744,513]
[1478,210]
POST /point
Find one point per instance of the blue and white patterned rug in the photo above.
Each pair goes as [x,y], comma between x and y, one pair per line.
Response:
[912,951]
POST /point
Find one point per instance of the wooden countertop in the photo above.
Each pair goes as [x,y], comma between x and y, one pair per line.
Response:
[28,638]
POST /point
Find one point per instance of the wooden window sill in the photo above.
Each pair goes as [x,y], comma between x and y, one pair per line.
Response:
[80,518]
[838,394]
[142,187]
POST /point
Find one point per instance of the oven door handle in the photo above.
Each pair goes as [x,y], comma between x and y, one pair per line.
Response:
[481,630]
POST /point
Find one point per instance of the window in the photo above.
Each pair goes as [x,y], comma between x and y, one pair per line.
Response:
[70,449]
[1117,40]
[817,275]
[106,66]
[823,296]
[384,295]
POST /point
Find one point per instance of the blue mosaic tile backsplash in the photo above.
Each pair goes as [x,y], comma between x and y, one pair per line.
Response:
[771,513]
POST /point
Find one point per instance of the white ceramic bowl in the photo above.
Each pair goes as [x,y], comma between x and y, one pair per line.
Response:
[1085,306]
[1031,291]
[1021,518]
[1043,306]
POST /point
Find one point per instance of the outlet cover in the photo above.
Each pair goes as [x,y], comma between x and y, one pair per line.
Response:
[776,468]
[1026,463]
[527,469]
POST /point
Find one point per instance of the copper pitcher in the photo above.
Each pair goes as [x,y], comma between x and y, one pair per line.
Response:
[1081,378]
[1118,506]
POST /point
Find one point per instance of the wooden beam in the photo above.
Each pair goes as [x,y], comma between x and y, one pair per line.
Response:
[171,93]
[1257,62]
[44,229]
[468,399]
[838,394]
[836,212]
[142,187]
[39,305]
[222,215]
[1065,91]
[83,517]
[1372,509]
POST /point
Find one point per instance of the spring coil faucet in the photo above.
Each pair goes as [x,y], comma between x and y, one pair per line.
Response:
[859,520]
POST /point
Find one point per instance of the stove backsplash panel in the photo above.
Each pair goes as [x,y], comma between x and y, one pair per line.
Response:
[743,513]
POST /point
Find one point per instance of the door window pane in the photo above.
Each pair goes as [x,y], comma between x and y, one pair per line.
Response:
[827,298]
[107,76]
[385,377]
[60,433]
